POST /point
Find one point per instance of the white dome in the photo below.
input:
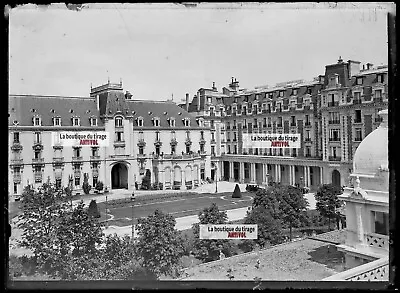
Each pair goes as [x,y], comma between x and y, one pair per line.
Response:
[372,154]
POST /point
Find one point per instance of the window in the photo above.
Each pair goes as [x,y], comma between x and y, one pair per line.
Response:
[15,188]
[157,150]
[334,152]
[141,150]
[57,121]
[202,174]
[309,90]
[381,78]
[118,122]
[186,122]
[37,169]
[293,120]
[294,92]
[77,181]
[140,122]
[307,119]
[358,136]
[212,124]
[334,134]
[213,150]
[77,152]
[16,137]
[357,95]
[95,151]
[37,154]
[38,137]
[279,121]
[229,149]
[95,179]
[93,122]
[37,121]
[173,135]
[75,121]
[357,118]
[156,122]
[334,117]
[235,149]
[281,93]
[157,136]
[119,135]
[187,149]
[308,152]
[359,80]
[308,137]
[380,223]
[234,136]
[212,136]
[187,135]
[378,94]
[173,149]
[202,134]
[202,148]
[172,122]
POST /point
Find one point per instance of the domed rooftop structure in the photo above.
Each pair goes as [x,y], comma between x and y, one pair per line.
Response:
[371,157]
[372,153]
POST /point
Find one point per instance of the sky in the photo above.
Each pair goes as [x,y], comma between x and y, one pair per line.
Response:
[160,50]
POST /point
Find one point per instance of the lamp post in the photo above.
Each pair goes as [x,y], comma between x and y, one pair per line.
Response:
[132,200]
[106,212]
[216,179]
[267,175]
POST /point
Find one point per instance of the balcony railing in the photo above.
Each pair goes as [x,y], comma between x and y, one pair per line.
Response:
[357,121]
[17,178]
[58,160]
[269,125]
[357,101]
[77,159]
[292,124]
[279,125]
[377,270]
[119,143]
[38,161]
[378,99]
[334,139]
[16,146]
[377,240]
[141,142]
[333,104]
[332,158]
[334,121]
[95,158]
[17,161]
[307,123]
[307,139]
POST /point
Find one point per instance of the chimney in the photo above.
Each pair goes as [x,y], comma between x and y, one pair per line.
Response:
[354,67]
[363,67]
[198,101]
[187,102]
[340,60]
[369,66]
[213,87]
[128,95]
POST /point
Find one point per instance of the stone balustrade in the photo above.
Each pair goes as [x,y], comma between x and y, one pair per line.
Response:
[377,270]
[377,240]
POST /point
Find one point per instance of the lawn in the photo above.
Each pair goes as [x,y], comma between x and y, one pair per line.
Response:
[179,206]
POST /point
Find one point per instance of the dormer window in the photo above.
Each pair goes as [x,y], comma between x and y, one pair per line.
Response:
[200,122]
[140,122]
[294,92]
[281,93]
[57,121]
[309,91]
[156,122]
[76,121]
[118,121]
[172,122]
[37,121]
[186,122]
[359,80]
[381,78]
[93,121]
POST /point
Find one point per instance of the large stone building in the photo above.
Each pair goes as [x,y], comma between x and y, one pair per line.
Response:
[332,113]
[143,135]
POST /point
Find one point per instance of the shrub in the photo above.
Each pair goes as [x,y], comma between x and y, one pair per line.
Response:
[93,209]
[99,186]
[237,193]
[86,186]
[146,182]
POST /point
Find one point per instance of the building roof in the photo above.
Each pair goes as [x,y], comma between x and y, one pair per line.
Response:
[21,109]
[161,109]
[295,260]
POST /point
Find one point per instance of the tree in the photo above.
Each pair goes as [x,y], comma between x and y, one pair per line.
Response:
[93,209]
[237,193]
[293,206]
[82,231]
[42,213]
[86,186]
[269,229]
[327,201]
[283,202]
[146,182]
[205,249]
[158,245]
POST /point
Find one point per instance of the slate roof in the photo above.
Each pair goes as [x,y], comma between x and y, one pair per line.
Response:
[161,109]
[20,109]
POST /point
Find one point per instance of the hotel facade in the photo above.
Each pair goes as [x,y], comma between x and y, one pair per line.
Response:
[143,135]
[332,113]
